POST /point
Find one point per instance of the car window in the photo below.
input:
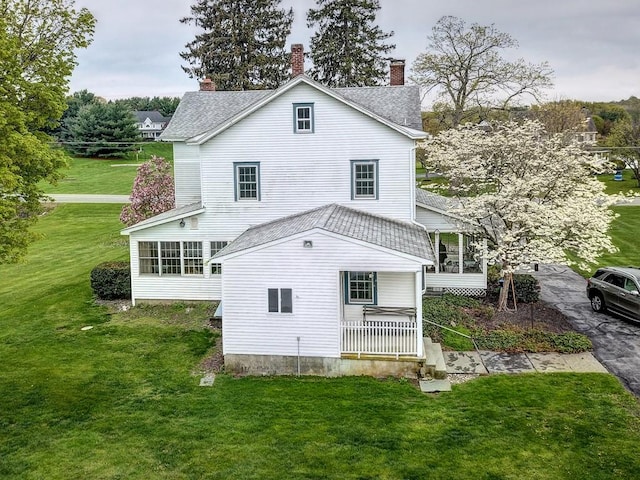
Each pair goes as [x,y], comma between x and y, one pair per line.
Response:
[630,285]
[615,280]
[599,273]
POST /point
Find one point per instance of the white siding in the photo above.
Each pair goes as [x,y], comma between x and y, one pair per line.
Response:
[435,221]
[169,287]
[303,171]
[314,276]
[186,174]
[456,280]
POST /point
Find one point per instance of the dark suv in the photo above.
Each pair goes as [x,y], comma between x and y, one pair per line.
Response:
[616,289]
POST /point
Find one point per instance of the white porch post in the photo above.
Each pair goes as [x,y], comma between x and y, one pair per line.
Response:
[460,252]
[418,285]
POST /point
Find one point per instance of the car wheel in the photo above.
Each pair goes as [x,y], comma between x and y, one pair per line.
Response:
[597,303]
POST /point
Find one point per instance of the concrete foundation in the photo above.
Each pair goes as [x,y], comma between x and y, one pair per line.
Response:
[408,367]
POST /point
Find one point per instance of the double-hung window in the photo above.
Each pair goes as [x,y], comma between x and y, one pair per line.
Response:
[361,287]
[364,179]
[216,268]
[247,180]
[280,300]
[303,118]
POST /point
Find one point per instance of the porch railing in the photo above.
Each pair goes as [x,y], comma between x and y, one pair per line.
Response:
[379,337]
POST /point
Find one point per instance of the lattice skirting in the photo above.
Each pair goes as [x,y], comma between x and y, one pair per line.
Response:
[467,292]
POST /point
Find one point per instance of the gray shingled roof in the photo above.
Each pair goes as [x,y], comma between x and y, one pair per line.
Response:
[434,200]
[204,111]
[384,232]
[152,115]
[167,216]
[399,104]
[199,112]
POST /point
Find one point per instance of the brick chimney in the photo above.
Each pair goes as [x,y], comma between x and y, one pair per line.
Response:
[396,70]
[297,60]
[207,85]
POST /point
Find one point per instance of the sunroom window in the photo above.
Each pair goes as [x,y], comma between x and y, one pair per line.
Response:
[170,258]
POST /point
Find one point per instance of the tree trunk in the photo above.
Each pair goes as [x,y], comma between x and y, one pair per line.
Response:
[503,299]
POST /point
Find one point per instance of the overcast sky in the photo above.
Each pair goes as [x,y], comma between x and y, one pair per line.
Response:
[593,46]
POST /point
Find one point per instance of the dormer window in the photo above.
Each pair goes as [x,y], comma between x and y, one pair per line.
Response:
[303,118]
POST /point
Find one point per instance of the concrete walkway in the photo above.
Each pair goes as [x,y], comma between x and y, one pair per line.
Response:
[86,198]
[616,342]
[485,362]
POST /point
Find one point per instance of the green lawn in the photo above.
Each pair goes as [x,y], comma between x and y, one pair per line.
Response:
[121,400]
[624,231]
[627,183]
[113,176]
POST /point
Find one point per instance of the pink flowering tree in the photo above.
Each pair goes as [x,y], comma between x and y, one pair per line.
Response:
[152,194]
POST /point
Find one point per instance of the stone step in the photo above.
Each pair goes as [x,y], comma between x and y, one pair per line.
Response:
[434,362]
[432,386]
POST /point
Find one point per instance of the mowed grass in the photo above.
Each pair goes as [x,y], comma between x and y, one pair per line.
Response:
[121,400]
[102,176]
[628,183]
[624,231]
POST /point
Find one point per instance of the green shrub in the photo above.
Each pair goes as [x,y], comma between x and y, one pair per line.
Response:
[527,288]
[111,281]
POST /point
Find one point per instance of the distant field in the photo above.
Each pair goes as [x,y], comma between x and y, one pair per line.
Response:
[112,177]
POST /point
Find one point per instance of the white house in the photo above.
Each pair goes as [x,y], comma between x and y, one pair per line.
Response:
[296,208]
[151,123]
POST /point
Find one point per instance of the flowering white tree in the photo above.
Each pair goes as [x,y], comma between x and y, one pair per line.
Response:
[152,194]
[533,197]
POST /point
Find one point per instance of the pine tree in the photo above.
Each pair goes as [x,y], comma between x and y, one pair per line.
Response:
[348,49]
[104,130]
[242,46]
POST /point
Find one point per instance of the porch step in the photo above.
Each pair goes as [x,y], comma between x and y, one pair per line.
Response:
[434,363]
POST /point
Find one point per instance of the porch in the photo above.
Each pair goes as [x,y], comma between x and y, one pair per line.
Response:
[390,338]
[381,314]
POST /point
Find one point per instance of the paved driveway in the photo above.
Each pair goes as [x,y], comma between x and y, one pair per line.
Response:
[616,343]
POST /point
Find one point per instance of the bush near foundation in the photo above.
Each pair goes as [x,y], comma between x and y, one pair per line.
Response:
[111,281]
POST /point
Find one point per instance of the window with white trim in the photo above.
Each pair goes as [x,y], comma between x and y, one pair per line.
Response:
[216,268]
[247,181]
[364,179]
[170,258]
[192,258]
[148,258]
[303,118]
[361,287]
[280,300]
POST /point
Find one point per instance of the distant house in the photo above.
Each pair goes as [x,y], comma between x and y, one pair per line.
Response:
[151,123]
[297,208]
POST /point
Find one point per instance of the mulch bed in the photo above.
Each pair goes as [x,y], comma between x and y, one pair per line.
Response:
[538,315]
